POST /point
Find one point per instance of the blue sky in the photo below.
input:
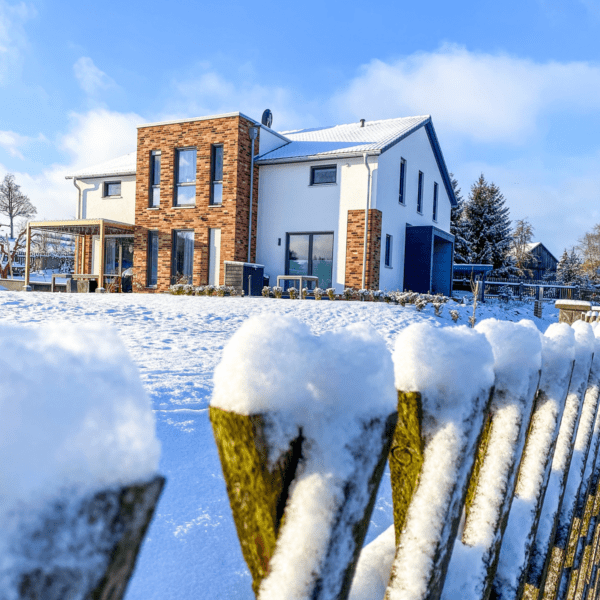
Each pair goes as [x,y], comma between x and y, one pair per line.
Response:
[513,87]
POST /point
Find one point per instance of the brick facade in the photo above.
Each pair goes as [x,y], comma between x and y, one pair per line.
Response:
[355,243]
[232,216]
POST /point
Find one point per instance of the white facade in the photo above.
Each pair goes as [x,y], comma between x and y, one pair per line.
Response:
[289,204]
[96,204]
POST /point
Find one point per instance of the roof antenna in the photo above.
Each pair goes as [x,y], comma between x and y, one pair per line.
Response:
[362,122]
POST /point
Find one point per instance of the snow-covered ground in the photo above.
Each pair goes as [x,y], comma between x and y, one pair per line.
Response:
[191,549]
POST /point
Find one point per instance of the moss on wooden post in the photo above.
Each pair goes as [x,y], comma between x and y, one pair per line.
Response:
[257,483]
[406,456]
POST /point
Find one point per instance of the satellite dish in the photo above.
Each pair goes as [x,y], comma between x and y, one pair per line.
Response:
[267,118]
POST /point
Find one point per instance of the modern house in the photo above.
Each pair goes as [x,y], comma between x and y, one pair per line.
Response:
[200,192]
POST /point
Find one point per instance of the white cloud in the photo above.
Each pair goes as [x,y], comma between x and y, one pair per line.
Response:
[93,137]
[489,98]
[13,39]
[91,79]
[11,141]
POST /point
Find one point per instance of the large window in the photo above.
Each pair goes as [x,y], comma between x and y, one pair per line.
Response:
[402,181]
[420,194]
[112,188]
[185,183]
[435,201]
[310,254]
[152,258]
[388,251]
[155,179]
[216,175]
[321,175]
[183,256]
[118,254]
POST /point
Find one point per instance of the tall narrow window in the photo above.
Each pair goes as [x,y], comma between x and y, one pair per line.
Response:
[420,194]
[388,251]
[185,171]
[183,257]
[435,201]
[402,181]
[216,176]
[152,258]
[155,179]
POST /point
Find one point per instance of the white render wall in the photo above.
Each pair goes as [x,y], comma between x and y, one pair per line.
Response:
[95,206]
[417,152]
[289,204]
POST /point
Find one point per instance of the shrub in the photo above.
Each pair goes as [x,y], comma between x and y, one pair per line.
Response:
[293,292]
[304,293]
[362,294]
[266,291]
[278,291]
[331,293]
[420,304]
[348,293]
[377,295]
[318,293]
[437,307]
[222,290]
[209,290]
[455,315]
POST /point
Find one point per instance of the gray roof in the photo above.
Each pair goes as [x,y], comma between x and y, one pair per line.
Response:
[123,165]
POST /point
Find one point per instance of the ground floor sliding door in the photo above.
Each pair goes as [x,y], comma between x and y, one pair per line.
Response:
[310,254]
[183,256]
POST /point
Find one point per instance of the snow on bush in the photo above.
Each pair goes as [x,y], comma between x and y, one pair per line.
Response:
[558,354]
[328,386]
[517,351]
[74,419]
[584,348]
[452,368]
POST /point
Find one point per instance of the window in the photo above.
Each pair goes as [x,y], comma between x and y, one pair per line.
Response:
[112,188]
[310,254]
[388,251]
[402,181]
[185,172]
[183,256]
[320,175]
[420,194]
[435,201]
[216,175]
[152,258]
[155,179]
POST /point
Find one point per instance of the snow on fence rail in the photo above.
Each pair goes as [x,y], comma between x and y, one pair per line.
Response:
[495,475]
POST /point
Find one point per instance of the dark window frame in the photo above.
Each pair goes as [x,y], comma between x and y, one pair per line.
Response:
[174,233]
[185,183]
[420,193]
[152,233]
[154,155]
[435,201]
[402,186]
[388,251]
[310,248]
[108,183]
[213,150]
[317,168]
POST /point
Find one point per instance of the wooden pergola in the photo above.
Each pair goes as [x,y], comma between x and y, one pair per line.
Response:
[79,227]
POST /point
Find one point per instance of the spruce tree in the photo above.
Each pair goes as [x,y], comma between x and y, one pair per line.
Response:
[489,227]
[568,270]
[459,226]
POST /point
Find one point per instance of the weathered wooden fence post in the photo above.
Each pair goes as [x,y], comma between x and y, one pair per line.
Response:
[517,364]
[440,420]
[303,426]
[541,550]
[558,358]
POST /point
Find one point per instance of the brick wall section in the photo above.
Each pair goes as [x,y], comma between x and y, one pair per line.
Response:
[355,241]
[231,216]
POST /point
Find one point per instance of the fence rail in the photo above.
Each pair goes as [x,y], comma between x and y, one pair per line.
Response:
[495,483]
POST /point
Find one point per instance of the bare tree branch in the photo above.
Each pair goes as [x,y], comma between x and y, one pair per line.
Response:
[13,203]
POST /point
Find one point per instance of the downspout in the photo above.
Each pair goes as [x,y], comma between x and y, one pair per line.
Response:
[79,198]
[252,132]
[78,258]
[368,205]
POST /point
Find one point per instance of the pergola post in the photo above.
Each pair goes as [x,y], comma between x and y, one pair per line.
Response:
[101,261]
[27,287]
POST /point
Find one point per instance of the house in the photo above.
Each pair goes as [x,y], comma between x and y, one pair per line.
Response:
[543,261]
[203,191]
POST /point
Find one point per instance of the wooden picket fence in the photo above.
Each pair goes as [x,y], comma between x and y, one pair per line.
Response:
[542,539]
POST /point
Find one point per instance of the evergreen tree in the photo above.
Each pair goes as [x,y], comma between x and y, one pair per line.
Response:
[489,227]
[459,226]
[568,270]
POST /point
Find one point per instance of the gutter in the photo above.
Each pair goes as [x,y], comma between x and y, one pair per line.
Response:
[367,207]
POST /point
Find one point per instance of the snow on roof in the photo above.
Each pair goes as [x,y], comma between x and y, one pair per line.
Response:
[351,138]
[123,165]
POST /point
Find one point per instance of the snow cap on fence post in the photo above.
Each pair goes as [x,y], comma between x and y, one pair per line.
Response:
[558,356]
[303,422]
[444,377]
[78,462]
[517,351]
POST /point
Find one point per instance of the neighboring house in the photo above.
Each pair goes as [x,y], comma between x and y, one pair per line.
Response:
[188,191]
[543,261]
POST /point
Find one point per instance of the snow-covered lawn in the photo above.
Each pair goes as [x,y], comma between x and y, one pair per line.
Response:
[191,550]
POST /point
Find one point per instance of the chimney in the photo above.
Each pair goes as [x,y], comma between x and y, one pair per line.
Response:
[362,122]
